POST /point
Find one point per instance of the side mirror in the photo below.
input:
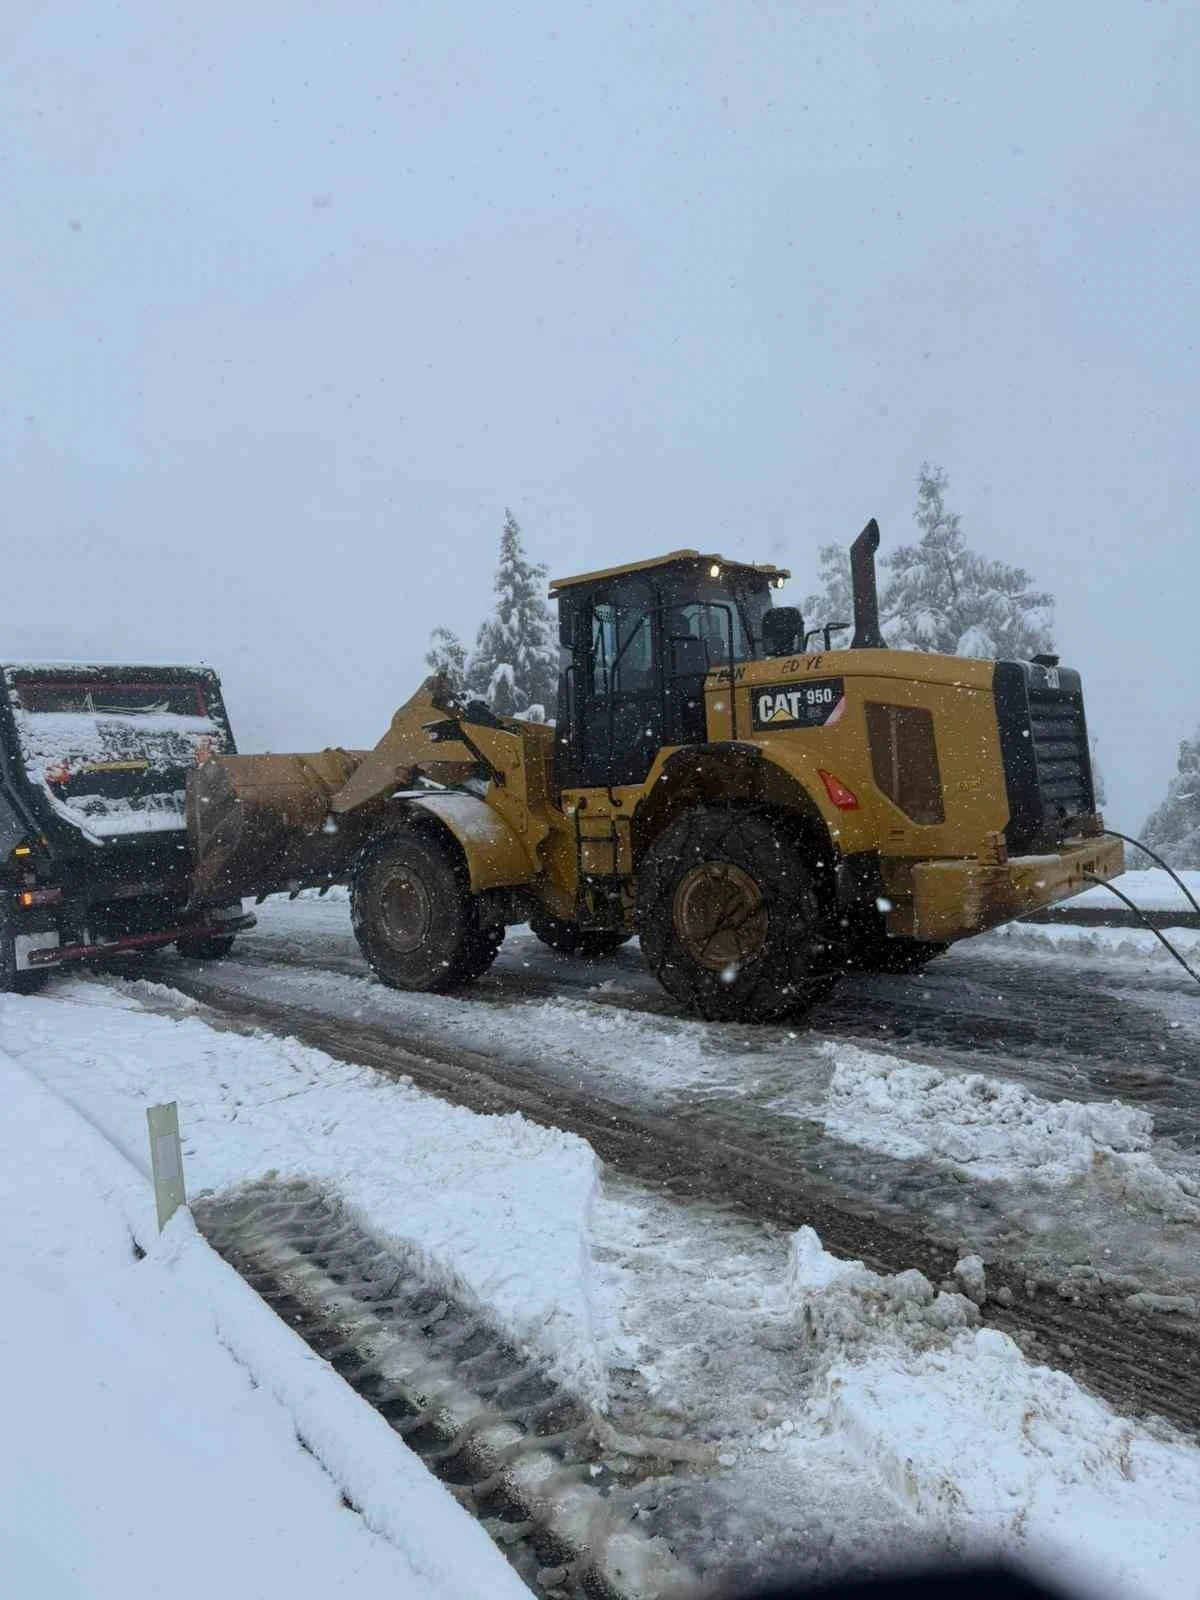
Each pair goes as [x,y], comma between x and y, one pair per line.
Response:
[689,656]
[783,632]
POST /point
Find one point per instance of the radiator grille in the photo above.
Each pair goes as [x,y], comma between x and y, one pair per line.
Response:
[1060,747]
[1047,756]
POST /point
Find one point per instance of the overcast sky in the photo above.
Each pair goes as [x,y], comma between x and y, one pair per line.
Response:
[295,298]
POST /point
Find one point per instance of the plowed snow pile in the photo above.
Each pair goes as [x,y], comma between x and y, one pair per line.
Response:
[970,1434]
[999,1131]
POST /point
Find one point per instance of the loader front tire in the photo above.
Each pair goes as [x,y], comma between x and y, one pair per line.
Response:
[730,919]
[415,919]
[589,944]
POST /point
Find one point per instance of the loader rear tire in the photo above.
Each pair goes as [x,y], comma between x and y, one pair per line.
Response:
[414,917]
[730,918]
[589,944]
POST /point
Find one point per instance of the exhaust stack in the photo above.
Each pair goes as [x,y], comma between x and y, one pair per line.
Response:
[866,591]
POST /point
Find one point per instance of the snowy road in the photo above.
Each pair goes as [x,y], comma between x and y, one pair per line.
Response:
[1030,1098]
[825,1414]
[1027,1004]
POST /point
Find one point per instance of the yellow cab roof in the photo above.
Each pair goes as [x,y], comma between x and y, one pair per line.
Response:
[672,558]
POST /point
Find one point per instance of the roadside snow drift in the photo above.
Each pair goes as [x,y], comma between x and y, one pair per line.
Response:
[495,1207]
[1152,889]
[158,1419]
[1130,945]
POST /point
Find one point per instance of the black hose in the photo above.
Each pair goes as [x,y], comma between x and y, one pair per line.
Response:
[1154,856]
[1142,918]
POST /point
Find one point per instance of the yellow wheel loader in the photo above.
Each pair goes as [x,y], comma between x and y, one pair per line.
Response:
[764,811]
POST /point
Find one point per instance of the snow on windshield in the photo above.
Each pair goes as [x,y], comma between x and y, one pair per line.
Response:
[109,772]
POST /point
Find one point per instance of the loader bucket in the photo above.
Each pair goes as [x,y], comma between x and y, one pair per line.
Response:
[261,824]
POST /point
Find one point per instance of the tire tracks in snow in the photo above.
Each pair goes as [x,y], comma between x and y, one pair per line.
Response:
[1141,1361]
[978,1014]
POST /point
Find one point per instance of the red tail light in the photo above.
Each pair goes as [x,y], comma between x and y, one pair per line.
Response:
[844,799]
[39,897]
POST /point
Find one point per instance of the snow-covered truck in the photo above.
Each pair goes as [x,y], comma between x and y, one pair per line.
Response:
[763,811]
[94,852]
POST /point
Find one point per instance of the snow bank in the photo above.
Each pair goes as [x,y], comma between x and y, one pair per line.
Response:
[1136,944]
[997,1453]
[159,1419]
[1153,890]
[994,1130]
[435,1179]
[974,1436]
[390,1488]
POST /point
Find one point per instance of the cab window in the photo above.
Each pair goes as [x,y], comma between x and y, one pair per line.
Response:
[622,659]
[712,610]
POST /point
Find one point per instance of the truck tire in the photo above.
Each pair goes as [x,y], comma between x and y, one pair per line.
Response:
[415,920]
[730,917]
[589,944]
[205,946]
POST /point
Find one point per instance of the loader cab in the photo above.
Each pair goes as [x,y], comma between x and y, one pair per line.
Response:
[636,644]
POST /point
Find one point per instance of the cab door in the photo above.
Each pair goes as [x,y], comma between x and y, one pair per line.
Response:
[616,699]
[699,635]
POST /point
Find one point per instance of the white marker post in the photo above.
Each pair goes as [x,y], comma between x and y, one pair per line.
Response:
[166,1159]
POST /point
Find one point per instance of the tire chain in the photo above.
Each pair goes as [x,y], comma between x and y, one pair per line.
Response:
[812,944]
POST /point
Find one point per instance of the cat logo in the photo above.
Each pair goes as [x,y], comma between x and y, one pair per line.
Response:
[814,704]
[784,704]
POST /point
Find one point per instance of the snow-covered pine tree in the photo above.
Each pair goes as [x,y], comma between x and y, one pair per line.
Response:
[834,601]
[501,692]
[938,594]
[514,665]
[942,596]
[1174,828]
[447,655]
